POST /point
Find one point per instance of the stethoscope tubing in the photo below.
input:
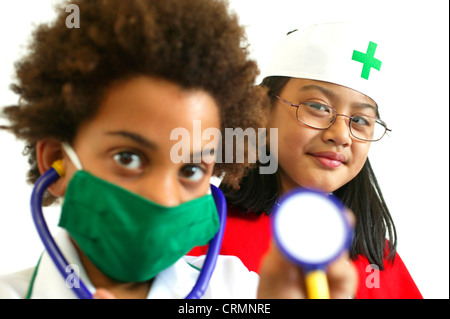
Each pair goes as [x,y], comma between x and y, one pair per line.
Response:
[214,247]
[51,176]
[44,182]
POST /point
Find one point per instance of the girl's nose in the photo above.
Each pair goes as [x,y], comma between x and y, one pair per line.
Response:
[339,132]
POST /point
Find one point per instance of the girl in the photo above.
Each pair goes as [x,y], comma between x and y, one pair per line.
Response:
[324,83]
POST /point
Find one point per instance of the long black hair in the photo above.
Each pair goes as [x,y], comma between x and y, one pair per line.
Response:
[258,193]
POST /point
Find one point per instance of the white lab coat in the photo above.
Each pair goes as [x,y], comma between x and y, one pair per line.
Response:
[231,279]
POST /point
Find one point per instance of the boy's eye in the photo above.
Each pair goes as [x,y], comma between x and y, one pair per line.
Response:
[192,173]
[128,160]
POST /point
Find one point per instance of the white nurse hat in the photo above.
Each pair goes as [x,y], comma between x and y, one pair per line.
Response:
[343,53]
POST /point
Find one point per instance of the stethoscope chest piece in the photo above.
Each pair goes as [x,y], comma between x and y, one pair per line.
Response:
[311,228]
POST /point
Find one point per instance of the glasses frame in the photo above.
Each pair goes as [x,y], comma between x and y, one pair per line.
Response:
[297,106]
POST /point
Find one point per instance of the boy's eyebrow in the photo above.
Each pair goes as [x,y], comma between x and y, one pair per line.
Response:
[206,151]
[135,137]
[199,155]
[332,94]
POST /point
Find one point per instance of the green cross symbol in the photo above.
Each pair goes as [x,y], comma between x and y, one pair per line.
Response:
[368,60]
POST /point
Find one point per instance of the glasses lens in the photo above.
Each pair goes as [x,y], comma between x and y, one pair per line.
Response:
[315,115]
[367,128]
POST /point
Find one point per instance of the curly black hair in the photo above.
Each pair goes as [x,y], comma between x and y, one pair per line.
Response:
[198,44]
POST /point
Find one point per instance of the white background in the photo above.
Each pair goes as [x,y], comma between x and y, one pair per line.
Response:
[412,165]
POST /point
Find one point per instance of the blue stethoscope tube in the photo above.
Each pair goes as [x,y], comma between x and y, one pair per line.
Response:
[214,247]
[51,176]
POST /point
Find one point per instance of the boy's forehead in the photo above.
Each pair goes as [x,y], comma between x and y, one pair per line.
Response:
[154,108]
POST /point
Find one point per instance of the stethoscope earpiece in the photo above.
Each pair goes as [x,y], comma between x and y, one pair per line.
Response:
[58,166]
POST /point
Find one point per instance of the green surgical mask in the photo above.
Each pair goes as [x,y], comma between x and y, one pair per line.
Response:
[127,237]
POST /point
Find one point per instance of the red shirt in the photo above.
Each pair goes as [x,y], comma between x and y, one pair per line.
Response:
[248,237]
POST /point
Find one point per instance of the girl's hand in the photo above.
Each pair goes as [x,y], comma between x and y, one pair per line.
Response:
[282,279]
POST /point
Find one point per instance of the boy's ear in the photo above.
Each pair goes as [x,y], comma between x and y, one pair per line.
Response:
[47,152]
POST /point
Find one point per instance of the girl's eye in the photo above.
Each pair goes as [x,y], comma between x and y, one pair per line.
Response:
[192,173]
[317,107]
[360,120]
[128,160]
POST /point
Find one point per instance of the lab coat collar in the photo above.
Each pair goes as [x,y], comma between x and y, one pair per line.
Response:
[174,282]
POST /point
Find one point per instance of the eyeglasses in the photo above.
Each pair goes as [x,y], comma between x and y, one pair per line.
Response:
[319,116]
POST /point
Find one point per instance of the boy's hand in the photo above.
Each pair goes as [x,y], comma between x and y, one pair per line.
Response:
[103,294]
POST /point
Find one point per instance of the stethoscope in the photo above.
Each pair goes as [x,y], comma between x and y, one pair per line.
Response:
[55,172]
[311,229]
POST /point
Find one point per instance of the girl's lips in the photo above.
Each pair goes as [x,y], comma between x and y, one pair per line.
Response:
[330,159]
